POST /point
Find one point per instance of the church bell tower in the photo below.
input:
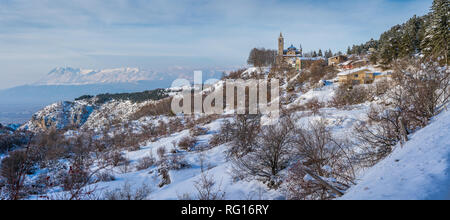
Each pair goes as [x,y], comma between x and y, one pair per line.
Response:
[280,45]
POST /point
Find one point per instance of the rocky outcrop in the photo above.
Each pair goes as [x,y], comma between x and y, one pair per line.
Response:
[60,115]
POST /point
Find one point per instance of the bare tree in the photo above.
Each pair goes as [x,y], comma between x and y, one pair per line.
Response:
[14,169]
[245,130]
[206,186]
[325,168]
[272,153]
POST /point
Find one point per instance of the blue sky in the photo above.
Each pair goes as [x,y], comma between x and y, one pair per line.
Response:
[39,35]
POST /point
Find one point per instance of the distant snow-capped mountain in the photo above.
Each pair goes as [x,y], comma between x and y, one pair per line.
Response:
[77,76]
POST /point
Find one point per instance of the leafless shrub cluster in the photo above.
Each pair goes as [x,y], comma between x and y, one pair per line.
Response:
[161,107]
[245,129]
[314,105]
[317,71]
[325,169]
[10,141]
[105,177]
[421,91]
[146,162]
[165,176]
[234,74]
[14,169]
[271,153]
[206,186]
[347,96]
[198,131]
[187,143]
[127,193]
[224,135]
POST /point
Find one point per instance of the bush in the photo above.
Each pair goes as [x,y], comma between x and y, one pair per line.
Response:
[145,163]
[225,134]
[198,131]
[187,143]
[207,188]
[116,159]
[14,169]
[177,162]
[245,130]
[127,193]
[273,154]
[105,177]
[421,90]
[379,135]
[324,169]
[346,96]
[76,178]
[165,177]
[234,74]
[314,105]
[161,152]
[162,107]
[11,141]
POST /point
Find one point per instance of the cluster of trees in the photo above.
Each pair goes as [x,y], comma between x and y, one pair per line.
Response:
[260,57]
[426,35]
[326,54]
[137,97]
[422,90]
[363,48]
[264,152]
[77,162]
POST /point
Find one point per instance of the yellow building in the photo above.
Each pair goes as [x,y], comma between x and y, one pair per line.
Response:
[334,61]
[360,76]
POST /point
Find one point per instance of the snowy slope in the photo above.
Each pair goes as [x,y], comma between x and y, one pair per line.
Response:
[419,170]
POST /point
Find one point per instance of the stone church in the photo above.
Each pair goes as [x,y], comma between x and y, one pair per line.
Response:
[292,56]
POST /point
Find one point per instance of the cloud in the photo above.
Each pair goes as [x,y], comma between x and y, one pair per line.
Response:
[38,35]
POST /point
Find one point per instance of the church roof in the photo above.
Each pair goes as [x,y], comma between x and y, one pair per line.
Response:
[292,47]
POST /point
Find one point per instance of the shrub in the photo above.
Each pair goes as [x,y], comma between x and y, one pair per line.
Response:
[11,141]
[187,143]
[127,193]
[105,177]
[162,107]
[324,169]
[314,105]
[116,159]
[161,152]
[14,169]
[198,131]
[273,154]
[165,177]
[145,163]
[346,96]
[245,130]
[177,162]
[225,134]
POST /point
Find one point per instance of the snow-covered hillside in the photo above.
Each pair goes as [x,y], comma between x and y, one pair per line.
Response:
[420,170]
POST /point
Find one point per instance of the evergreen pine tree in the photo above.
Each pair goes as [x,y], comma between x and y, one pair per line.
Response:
[436,42]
